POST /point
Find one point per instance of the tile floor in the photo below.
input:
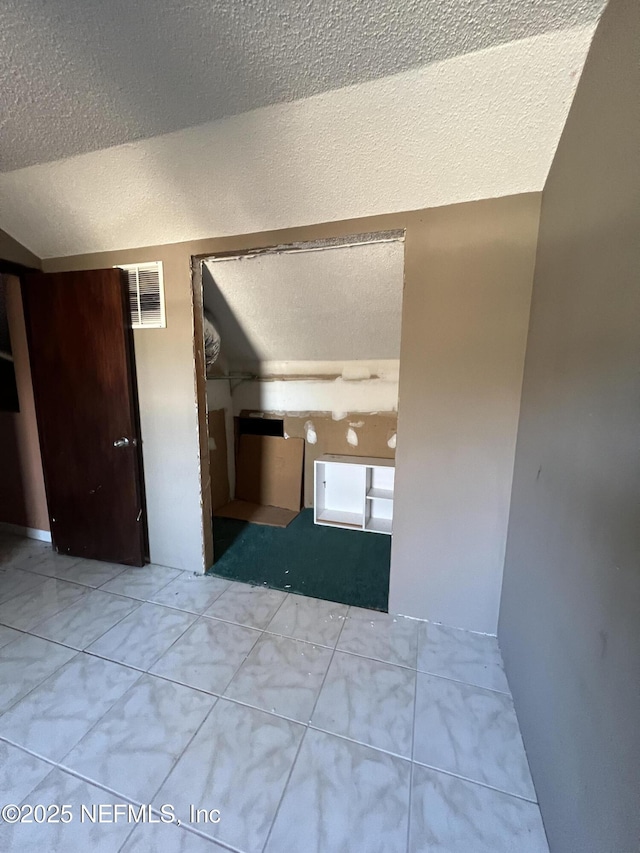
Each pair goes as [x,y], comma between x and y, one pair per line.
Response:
[309,725]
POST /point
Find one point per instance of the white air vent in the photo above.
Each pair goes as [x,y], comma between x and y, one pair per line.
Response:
[146,295]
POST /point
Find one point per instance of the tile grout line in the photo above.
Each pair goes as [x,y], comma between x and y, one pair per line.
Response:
[57,765]
[95,639]
[40,683]
[413,740]
[475,782]
[306,731]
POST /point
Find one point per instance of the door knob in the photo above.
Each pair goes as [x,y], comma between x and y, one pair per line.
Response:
[121,442]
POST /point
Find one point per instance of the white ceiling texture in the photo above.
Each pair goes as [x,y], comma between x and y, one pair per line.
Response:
[300,305]
[125,124]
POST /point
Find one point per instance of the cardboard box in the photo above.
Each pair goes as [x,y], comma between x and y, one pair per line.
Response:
[220,492]
[268,480]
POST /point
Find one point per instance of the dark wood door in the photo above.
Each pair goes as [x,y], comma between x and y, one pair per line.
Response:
[83,370]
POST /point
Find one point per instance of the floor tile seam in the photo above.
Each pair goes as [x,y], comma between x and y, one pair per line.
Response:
[98,784]
[465,683]
[271,618]
[410,668]
[93,726]
[175,607]
[34,570]
[124,595]
[57,612]
[29,574]
[156,659]
[304,734]
[193,625]
[245,704]
[413,742]
[311,642]
[285,788]
[101,717]
[94,640]
[186,747]
[475,782]
[70,771]
[379,749]
[41,682]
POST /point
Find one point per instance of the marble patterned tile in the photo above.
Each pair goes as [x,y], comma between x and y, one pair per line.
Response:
[310,619]
[369,701]
[92,573]
[46,562]
[141,582]
[14,548]
[194,593]
[168,838]
[381,636]
[44,600]
[343,798]
[143,636]
[207,655]
[282,676]
[60,711]
[253,606]
[25,663]
[461,655]
[83,622]
[136,743]
[454,816]
[15,581]
[471,732]
[238,762]
[77,836]
[20,772]
[8,635]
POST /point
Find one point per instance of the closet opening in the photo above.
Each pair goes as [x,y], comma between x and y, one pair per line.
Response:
[301,364]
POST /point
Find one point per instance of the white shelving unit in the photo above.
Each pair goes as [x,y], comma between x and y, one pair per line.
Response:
[355,492]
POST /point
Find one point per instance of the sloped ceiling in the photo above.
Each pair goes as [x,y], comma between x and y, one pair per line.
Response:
[125,124]
[299,306]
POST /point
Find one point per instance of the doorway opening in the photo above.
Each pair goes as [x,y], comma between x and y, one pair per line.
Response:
[301,363]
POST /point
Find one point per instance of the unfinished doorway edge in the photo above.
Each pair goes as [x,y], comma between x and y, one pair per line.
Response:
[202,413]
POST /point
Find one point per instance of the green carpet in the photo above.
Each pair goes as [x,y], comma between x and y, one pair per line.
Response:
[348,566]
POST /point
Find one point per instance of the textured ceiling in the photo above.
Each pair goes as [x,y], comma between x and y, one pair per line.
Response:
[299,306]
[480,125]
[81,75]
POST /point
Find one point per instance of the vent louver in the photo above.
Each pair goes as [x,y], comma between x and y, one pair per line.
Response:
[146,295]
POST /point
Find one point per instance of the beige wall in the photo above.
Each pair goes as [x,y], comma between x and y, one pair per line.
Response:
[22,496]
[468,273]
[570,613]
[11,250]
[468,277]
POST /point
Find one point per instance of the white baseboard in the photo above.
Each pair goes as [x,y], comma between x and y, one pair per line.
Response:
[28,532]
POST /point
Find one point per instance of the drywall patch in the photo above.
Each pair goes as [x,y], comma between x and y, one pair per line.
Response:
[310,433]
[357,372]
[392,442]
[352,437]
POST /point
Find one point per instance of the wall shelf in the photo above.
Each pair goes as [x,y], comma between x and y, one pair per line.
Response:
[354,492]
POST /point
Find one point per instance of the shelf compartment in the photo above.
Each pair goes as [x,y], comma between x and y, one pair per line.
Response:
[340,518]
[374,494]
[379,525]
